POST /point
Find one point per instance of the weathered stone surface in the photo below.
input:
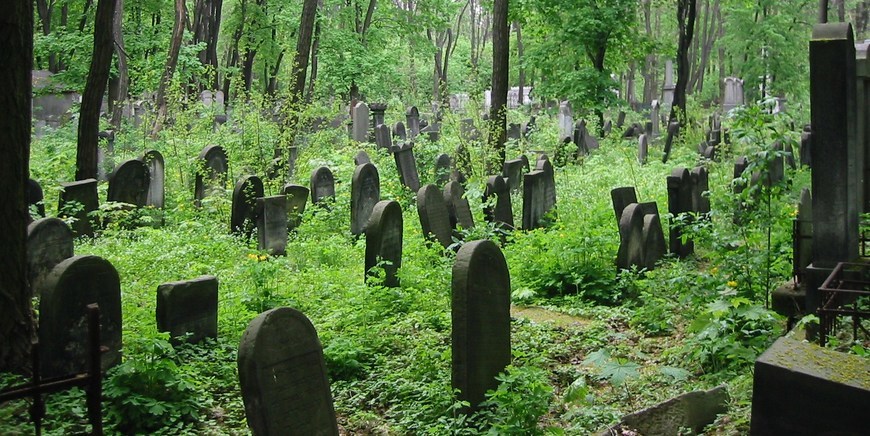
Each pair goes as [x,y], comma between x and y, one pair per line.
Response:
[322,185]
[642,149]
[129,183]
[631,245]
[272,224]
[360,122]
[500,212]
[481,335]
[211,177]
[282,376]
[156,189]
[700,185]
[654,245]
[693,410]
[434,216]
[361,158]
[412,119]
[733,93]
[534,199]
[679,201]
[621,198]
[384,241]
[407,166]
[365,192]
[49,242]
[243,216]
[457,205]
[77,200]
[188,309]
[806,146]
[443,168]
[740,165]
[297,197]
[673,132]
[514,170]
[65,293]
[543,164]
[35,197]
[801,389]
[383,136]
[399,132]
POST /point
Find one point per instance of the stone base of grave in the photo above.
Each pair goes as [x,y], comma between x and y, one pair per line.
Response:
[789,300]
[694,410]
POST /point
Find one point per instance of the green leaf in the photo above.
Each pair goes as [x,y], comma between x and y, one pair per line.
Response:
[678,374]
[617,372]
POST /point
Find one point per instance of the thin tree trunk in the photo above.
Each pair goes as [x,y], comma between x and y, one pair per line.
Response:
[303,49]
[315,48]
[171,62]
[500,71]
[823,11]
[44,8]
[686,13]
[123,78]
[522,71]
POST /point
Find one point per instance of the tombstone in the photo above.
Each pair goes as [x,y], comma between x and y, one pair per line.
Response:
[513,170]
[360,131]
[734,93]
[529,127]
[642,149]
[77,200]
[514,131]
[432,131]
[709,152]
[365,192]
[803,233]
[630,251]
[443,169]
[633,131]
[481,331]
[776,171]
[434,216]
[156,191]
[297,197]
[467,131]
[219,99]
[654,119]
[322,185]
[64,293]
[407,166]
[105,154]
[49,242]
[35,197]
[620,119]
[384,242]
[550,186]
[272,224]
[806,146]
[207,98]
[129,183]
[361,158]
[654,245]
[500,211]
[669,87]
[188,309]
[282,376]
[621,198]
[679,201]
[534,199]
[700,185]
[399,132]
[211,177]
[383,137]
[608,127]
[458,209]
[673,132]
[565,119]
[412,118]
[462,164]
[243,217]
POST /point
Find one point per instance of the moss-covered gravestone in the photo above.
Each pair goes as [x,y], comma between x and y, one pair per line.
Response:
[156,191]
[49,242]
[622,197]
[322,185]
[297,197]
[243,217]
[129,183]
[406,164]
[679,201]
[272,224]
[534,191]
[188,309]
[497,202]
[384,242]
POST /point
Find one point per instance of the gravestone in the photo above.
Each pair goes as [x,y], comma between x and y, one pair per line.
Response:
[156,190]
[322,185]
[77,200]
[457,205]
[584,140]
[407,166]
[534,202]
[272,224]
[654,245]
[803,242]
[399,132]
[642,149]
[383,137]
[528,127]
[360,131]
[211,176]
[679,201]
[188,309]
[35,197]
[700,185]
[378,110]
[499,212]
[740,165]
[608,127]
[620,119]
[709,152]
[207,98]
[361,158]
[282,376]
[64,294]
[49,242]
[734,92]
[462,164]
[384,242]
[129,183]
[365,192]
[514,131]
[443,169]
[297,197]
[243,217]
[621,198]
[669,87]
[467,131]
[432,131]
[513,170]
[105,154]
[412,118]
[631,245]
[654,118]
[565,119]
[481,331]
[434,217]
[543,164]
[633,131]
[806,146]
[673,131]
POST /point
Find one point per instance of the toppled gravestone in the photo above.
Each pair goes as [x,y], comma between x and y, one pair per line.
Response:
[694,410]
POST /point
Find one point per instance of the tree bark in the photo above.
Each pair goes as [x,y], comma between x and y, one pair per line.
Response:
[823,11]
[315,47]
[686,23]
[206,25]
[303,49]
[95,88]
[123,78]
[500,70]
[521,77]
[171,62]
[16,315]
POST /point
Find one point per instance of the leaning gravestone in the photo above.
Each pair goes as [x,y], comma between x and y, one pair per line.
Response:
[243,217]
[384,242]
[550,186]
[434,217]
[679,201]
[360,122]
[457,205]
[365,192]
[500,212]
[156,191]
[534,192]
[272,224]
[642,149]
[77,200]
[297,197]
[621,198]
[383,137]
[49,242]
[407,166]
[412,118]
[654,245]
[188,309]
[361,158]
[35,197]
[65,293]
[129,183]
[443,168]
[513,170]
[282,376]
[211,177]
[481,335]
[322,185]
[630,253]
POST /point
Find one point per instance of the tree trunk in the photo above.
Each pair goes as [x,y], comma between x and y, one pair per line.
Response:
[303,49]
[823,11]
[16,315]
[171,62]
[123,78]
[522,71]
[500,70]
[206,25]
[686,23]
[841,10]
[44,9]
[315,47]
[95,88]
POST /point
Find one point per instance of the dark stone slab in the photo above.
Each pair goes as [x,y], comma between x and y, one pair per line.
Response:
[803,243]
[434,216]
[642,149]
[740,165]
[384,242]
[700,184]
[631,244]
[443,168]
[806,146]
[534,201]
[399,132]
[679,201]
[297,197]
[693,410]
[412,119]
[65,293]
[35,198]
[282,376]
[361,158]
[322,185]
[360,130]
[272,224]
[211,175]
[673,132]
[801,389]
[543,164]
[654,245]
[77,200]
[499,211]
[513,170]
[129,183]
[620,119]
[49,242]
[407,166]
[383,136]
[514,131]
[457,206]
[481,335]
[156,187]
[365,192]
[188,309]
[243,216]
[621,198]
[461,164]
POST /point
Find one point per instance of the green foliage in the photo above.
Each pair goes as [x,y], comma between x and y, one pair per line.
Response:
[522,397]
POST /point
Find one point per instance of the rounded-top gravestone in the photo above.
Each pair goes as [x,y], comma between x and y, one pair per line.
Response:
[322,185]
[211,177]
[129,183]
[365,192]
[457,205]
[384,242]
[434,217]
[156,190]
[243,217]
[49,242]
[297,197]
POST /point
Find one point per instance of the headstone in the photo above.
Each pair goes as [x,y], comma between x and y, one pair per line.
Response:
[654,118]
[399,132]
[467,131]
[207,98]
[432,131]
[211,177]
[513,170]
[481,333]
[365,192]
[156,191]
[806,146]
[361,158]
[687,413]
[608,127]
[734,93]
[360,122]
[740,165]
[457,205]
[443,169]
[105,154]
[35,197]
[49,242]
[679,201]
[297,197]
[243,217]
[633,131]
[407,166]
[550,186]
[129,183]
[282,376]
[670,86]
[709,152]
[272,224]
[64,294]
[322,185]
[565,119]
[630,253]
[620,119]
[383,137]
[384,242]
[803,243]
[673,131]
[500,211]
[700,185]
[461,164]
[621,198]
[77,200]
[434,217]
[642,149]
[412,118]
[654,245]
[188,309]
[534,201]
[514,131]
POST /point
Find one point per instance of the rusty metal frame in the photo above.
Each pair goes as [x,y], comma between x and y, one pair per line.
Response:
[842,296]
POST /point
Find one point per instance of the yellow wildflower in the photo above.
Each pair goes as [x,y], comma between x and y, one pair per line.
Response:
[732,284]
[714,270]
[263,257]
[252,256]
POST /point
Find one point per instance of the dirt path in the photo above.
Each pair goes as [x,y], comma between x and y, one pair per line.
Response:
[543,316]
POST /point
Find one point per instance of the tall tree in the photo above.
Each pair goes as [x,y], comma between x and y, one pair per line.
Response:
[171,63]
[16,319]
[120,84]
[686,11]
[500,57]
[206,24]
[92,97]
